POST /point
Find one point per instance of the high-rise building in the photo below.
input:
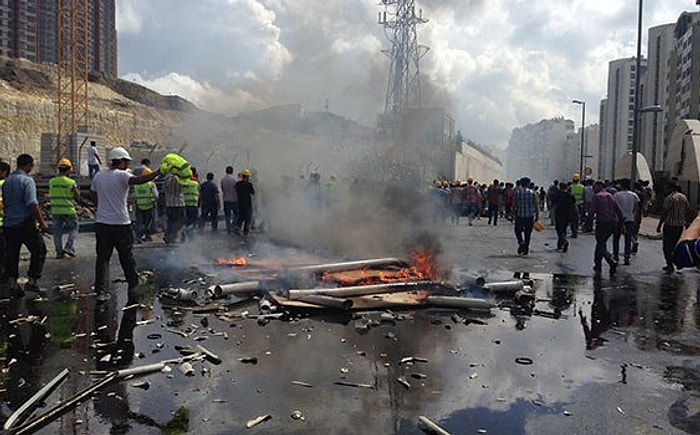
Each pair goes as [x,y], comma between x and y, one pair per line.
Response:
[617,121]
[683,100]
[29,30]
[539,151]
[653,126]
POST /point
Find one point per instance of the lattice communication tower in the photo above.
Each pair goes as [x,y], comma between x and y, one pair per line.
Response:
[72,70]
[399,20]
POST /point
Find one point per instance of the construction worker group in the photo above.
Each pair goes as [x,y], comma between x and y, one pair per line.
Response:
[168,198]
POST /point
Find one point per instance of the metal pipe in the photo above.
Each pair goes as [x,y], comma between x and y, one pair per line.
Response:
[348,265]
[505,286]
[458,302]
[364,290]
[209,355]
[432,426]
[327,301]
[24,411]
[637,97]
[141,370]
[221,290]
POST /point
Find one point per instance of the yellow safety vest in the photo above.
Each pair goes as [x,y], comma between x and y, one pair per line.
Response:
[61,190]
[191,193]
[144,197]
[577,191]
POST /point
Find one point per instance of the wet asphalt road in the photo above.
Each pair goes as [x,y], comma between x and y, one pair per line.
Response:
[620,357]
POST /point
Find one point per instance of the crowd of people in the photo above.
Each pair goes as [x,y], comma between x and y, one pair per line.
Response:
[605,208]
[169,198]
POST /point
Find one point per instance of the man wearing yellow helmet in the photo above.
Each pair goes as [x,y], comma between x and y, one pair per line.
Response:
[63,191]
[576,189]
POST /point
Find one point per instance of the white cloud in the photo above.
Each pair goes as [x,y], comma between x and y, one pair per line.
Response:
[501,63]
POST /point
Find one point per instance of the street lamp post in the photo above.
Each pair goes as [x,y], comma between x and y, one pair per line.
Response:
[583,130]
[637,97]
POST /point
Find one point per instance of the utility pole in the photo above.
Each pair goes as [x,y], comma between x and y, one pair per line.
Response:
[399,20]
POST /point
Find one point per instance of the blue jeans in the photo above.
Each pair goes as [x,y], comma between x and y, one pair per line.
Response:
[230,214]
[65,224]
[92,170]
[629,232]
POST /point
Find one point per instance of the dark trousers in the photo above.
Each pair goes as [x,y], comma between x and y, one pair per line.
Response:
[211,214]
[523,230]
[28,235]
[108,238]
[245,216]
[230,214]
[574,223]
[603,231]
[144,222]
[493,213]
[92,170]
[176,220]
[561,225]
[192,216]
[629,232]
[671,235]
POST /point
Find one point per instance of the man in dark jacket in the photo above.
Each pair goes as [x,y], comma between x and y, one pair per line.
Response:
[245,192]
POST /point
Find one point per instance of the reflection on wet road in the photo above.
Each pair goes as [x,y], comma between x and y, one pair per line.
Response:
[610,355]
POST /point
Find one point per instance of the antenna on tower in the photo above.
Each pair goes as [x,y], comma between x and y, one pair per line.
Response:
[399,20]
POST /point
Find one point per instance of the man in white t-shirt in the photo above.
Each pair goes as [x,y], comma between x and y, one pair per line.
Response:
[93,160]
[112,221]
[628,202]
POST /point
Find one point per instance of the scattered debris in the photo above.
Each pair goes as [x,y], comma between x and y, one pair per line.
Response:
[402,380]
[297,415]
[434,427]
[249,360]
[523,360]
[408,359]
[187,369]
[302,384]
[145,385]
[257,420]
[353,384]
[620,410]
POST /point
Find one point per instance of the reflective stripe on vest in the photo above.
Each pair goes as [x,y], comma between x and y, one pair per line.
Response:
[61,195]
[191,193]
[144,197]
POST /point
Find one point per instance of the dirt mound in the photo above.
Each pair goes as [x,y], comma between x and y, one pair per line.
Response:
[24,79]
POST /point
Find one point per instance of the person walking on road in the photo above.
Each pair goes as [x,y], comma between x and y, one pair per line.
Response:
[576,189]
[564,210]
[472,199]
[675,216]
[93,160]
[628,202]
[145,197]
[228,190]
[192,203]
[63,191]
[23,225]
[607,216]
[211,202]
[493,195]
[526,213]
[113,230]
[245,192]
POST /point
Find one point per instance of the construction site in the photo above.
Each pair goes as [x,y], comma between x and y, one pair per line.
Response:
[362,310]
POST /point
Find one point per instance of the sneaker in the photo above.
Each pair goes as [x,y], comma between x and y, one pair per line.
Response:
[148,239]
[635,247]
[565,247]
[597,268]
[521,249]
[669,268]
[627,261]
[71,254]
[60,255]
[613,268]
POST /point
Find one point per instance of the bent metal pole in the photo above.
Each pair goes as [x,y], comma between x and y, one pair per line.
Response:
[364,290]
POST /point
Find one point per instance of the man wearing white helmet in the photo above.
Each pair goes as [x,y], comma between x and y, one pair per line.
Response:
[112,220]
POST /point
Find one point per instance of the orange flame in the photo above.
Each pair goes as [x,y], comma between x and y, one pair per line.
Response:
[238,261]
[423,267]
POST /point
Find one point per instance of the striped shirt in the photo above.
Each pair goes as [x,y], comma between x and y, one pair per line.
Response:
[174,192]
[676,210]
[525,202]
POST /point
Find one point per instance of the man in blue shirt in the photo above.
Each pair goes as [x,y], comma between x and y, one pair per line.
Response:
[23,225]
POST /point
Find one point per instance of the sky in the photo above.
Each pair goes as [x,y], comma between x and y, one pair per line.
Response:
[493,64]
